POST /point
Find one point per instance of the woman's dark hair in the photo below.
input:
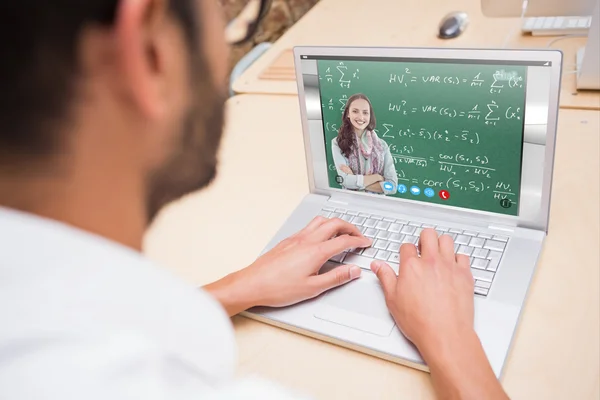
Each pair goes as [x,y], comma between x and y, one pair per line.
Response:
[346,138]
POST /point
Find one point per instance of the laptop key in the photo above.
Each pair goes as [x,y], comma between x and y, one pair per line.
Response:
[494,258]
[330,209]
[481,291]
[370,232]
[457,231]
[427,226]
[483,284]
[383,255]
[466,250]
[389,219]
[358,220]
[456,247]
[351,212]
[442,228]
[410,239]
[369,252]
[335,215]
[501,238]
[480,253]
[377,217]
[470,233]
[396,237]
[462,239]
[358,260]
[356,250]
[324,213]
[477,242]
[341,210]
[417,232]
[394,247]
[346,217]
[480,263]
[383,225]
[370,223]
[395,228]
[482,275]
[383,235]
[408,230]
[338,258]
[402,221]
[494,245]
[394,257]
[381,244]
[485,235]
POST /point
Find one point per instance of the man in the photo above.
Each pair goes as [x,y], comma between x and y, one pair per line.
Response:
[109,109]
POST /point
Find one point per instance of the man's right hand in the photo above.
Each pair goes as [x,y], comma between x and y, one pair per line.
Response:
[431,300]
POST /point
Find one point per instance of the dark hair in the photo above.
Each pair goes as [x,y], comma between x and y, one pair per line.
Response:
[346,138]
[39,68]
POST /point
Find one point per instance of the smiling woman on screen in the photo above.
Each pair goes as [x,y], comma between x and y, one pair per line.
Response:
[362,159]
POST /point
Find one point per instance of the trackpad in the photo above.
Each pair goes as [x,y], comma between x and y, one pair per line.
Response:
[360,305]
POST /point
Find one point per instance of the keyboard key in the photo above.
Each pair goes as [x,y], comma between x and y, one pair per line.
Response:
[394,257]
[383,255]
[442,228]
[417,232]
[402,222]
[477,242]
[470,233]
[370,223]
[452,235]
[383,225]
[427,226]
[408,230]
[347,217]
[457,231]
[494,258]
[340,210]
[351,212]
[480,253]
[335,215]
[358,260]
[485,235]
[462,239]
[381,244]
[377,217]
[325,214]
[466,250]
[394,247]
[482,275]
[410,239]
[383,235]
[362,229]
[456,247]
[481,291]
[357,250]
[415,224]
[389,219]
[369,252]
[480,263]
[500,238]
[338,257]
[360,214]
[396,237]
[494,245]
[370,232]
[330,209]
[439,232]
[358,221]
[483,284]
[395,228]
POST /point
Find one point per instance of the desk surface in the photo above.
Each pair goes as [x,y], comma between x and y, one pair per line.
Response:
[216,231]
[405,24]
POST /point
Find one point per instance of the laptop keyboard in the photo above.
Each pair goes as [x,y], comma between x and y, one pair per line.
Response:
[388,234]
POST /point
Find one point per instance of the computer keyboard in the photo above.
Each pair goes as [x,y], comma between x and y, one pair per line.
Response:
[388,234]
[553,26]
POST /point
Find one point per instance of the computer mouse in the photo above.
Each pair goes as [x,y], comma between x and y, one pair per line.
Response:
[453,25]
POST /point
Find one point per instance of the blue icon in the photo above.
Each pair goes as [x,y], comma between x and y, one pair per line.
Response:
[402,189]
[388,186]
[429,192]
[415,190]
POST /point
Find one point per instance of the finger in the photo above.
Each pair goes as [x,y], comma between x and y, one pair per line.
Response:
[407,251]
[341,243]
[336,277]
[429,243]
[335,227]
[386,276]
[447,247]
[463,261]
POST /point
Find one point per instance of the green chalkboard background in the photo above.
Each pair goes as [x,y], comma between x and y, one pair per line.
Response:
[454,127]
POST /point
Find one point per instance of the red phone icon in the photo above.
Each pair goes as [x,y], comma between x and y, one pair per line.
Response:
[444,194]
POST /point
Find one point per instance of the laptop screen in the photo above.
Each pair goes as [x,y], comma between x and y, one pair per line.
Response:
[437,131]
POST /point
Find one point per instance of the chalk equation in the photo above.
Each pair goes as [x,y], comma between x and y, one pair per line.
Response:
[340,75]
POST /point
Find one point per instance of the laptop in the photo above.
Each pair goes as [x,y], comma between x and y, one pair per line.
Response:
[462,141]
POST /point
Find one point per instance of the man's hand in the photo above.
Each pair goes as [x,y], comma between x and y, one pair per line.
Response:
[432,303]
[288,273]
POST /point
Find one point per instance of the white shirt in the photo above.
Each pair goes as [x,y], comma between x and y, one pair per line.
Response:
[82,317]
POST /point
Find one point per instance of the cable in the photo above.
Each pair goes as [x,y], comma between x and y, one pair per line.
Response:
[573,35]
[515,30]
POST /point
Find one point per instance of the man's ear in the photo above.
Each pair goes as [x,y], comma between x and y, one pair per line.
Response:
[138,24]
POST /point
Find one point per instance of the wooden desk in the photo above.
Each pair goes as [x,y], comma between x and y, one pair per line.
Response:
[211,233]
[411,23]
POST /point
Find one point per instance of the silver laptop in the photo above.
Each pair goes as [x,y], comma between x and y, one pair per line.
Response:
[466,146]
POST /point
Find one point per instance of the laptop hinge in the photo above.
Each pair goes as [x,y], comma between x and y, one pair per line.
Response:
[501,228]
